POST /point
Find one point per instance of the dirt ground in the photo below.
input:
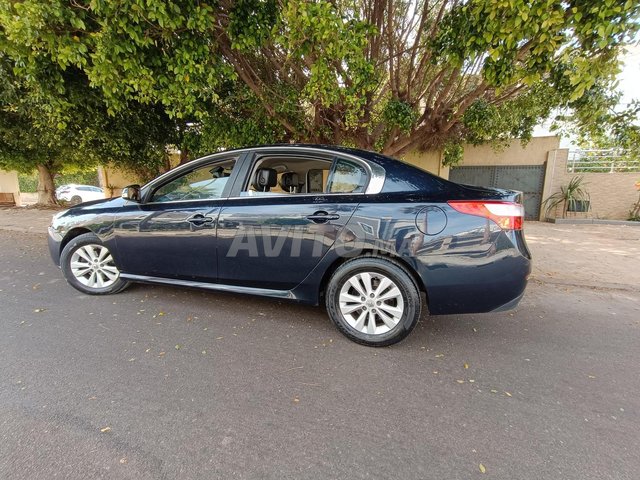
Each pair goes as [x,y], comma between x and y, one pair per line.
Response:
[598,256]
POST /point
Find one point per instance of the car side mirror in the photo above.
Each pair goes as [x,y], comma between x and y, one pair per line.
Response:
[131,192]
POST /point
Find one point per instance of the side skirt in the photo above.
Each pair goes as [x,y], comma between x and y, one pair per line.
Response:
[263,292]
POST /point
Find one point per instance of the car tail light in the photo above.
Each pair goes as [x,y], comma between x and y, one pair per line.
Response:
[508,215]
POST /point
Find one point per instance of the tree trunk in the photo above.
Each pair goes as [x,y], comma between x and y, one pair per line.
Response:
[46,188]
[184,155]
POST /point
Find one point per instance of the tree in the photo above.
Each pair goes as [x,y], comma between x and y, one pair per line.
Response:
[54,121]
[602,123]
[393,76]
[30,138]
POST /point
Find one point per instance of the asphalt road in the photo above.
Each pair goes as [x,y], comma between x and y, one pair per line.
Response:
[158,382]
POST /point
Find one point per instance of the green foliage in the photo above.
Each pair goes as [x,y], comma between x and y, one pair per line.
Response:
[598,122]
[498,123]
[252,23]
[396,76]
[55,119]
[398,114]
[452,153]
[29,181]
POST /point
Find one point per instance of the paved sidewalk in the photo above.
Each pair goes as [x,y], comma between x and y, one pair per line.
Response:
[595,256]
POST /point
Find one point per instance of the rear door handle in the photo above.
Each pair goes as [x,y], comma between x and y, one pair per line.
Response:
[198,219]
[322,217]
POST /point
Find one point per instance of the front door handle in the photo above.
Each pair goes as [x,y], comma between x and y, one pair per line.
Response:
[322,217]
[198,220]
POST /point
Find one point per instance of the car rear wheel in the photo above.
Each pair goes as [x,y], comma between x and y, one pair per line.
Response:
[88,266]
[373,301]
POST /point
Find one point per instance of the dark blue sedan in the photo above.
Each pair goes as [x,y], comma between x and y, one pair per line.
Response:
[363,233]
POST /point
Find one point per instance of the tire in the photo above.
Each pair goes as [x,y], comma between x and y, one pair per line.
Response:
[88,266]
[391,307]
[75,200]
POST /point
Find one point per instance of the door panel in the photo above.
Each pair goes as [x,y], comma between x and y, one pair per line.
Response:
[275,241]
[169,240]
[173,233]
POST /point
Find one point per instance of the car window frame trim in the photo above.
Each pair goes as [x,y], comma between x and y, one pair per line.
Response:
[377,173]
[171,175]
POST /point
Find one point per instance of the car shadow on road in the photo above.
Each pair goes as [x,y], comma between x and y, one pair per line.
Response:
[430,329]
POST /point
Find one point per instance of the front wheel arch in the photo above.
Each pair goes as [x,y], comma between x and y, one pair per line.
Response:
[71,234]
[93,272]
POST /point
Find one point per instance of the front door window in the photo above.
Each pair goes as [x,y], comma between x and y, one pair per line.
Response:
[204,183]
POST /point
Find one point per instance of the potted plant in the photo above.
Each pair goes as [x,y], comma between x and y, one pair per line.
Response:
[573,197]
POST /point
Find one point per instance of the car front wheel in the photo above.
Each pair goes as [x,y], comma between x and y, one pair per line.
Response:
[88,266]
[373,301]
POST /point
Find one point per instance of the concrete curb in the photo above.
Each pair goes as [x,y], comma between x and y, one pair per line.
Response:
[591,221]
[577,284]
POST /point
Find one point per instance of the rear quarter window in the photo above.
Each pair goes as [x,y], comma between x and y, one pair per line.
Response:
[348,177]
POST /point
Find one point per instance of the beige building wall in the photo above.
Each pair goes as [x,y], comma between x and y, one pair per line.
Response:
[612,195]
[9,184]
[431,161]
[533,153]
[113,180]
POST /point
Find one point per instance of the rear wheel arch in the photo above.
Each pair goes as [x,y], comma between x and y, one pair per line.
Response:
[373,300]
[394,259]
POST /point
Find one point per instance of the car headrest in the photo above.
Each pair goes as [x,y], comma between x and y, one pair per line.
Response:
[265,179]
[289,182]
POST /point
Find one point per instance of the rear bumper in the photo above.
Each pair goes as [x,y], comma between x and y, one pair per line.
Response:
[54,241]
[479,286]
[510,305]
[474,275]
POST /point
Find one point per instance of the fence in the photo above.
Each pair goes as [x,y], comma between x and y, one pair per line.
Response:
[609,181]
[601,161]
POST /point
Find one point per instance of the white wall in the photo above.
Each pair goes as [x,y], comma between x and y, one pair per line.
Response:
[9,184]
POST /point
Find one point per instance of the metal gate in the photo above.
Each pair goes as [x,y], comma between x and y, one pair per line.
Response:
[529,179]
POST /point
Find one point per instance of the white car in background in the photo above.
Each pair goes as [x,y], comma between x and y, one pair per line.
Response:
[75,194]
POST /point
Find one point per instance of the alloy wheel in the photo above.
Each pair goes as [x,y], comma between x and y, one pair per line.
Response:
[93,266]
[371,303]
